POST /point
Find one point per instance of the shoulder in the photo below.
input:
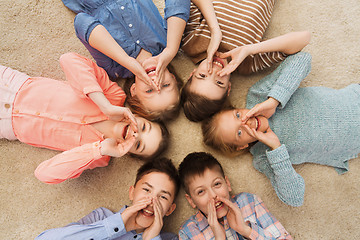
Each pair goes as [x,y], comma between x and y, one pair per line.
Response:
[244,199]
[190,226]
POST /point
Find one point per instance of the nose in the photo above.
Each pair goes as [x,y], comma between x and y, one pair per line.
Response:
[212,194]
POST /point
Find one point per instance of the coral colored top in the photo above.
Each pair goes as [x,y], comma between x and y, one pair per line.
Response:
[57,114]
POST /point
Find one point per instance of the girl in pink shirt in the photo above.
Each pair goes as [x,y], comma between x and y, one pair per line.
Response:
[84,117]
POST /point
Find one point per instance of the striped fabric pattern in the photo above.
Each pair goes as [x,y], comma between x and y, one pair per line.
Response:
[242,22]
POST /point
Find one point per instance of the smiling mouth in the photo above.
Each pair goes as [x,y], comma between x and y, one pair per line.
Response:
[218,62]
[150,70]
[257,123]
[147,213]
[218,205]
[126,131]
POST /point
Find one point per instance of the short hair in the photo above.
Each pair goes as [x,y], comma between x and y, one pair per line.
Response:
[161,165]
[138,108]
[195,164]
[163,145]
[198,107]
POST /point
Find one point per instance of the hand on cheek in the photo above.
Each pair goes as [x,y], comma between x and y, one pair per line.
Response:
[216,227]
[128,216]
[235,219]
[157,225]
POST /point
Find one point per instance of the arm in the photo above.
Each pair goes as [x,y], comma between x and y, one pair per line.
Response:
[266,225]
[207,9]
[289,43]
[111,227]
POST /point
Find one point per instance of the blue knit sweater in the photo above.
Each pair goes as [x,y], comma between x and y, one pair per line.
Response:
[314,124]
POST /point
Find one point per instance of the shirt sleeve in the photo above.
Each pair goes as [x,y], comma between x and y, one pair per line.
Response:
[111,227]
[86,77]
[70,164]
[266,226]
[84,24]
[288,184]
[283,82]
[177,8]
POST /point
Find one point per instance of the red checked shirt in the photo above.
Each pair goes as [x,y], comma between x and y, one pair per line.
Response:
[263,224]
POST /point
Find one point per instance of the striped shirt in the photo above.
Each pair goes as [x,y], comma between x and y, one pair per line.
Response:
[263,224]
[242,22]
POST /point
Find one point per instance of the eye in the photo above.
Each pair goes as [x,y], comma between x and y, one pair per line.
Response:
[237,115]
[239,133]
[219,83]
[146,190]
[166,85]
[200,192]
[143,127]
[202,75]
[137,145]
[149,91]
[164,197]
[217,184]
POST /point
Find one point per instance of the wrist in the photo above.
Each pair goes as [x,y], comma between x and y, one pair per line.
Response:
[246,231]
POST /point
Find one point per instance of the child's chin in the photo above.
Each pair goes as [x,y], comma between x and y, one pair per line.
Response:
[144,222]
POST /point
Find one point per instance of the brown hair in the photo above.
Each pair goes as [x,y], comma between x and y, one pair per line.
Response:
[195,164]
[197,107]
[138,108]
[161,165]
[163,145]
[211,135]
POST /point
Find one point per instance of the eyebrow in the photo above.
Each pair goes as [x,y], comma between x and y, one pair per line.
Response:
[163,191]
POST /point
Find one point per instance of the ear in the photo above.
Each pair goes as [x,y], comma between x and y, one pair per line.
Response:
[229,88]
[132,90]
[131,193]
[192,73]
[191,202]
[171,209]
[228,183]
[242,147]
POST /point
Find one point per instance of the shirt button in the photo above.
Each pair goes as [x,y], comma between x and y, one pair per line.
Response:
[60,118]
[7,105]
[83,121]
[122,7]
[116,229]
[137,41]
[16,111]
[130,25]
[37,113]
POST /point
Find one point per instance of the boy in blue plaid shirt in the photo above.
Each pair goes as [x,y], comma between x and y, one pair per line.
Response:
[220,216]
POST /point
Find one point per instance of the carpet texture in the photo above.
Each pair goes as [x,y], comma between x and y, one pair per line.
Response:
[35,34]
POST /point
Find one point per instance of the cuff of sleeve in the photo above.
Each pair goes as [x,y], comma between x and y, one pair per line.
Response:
[96,150]
[114,226]
[277,155]
[91,89]
[84,24]
[181,11]
[254,231]
[281,94]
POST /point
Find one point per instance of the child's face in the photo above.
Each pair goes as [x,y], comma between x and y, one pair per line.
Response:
[149,97]
[153,185]
[211,85]
[209,186]
[231,128]
[148,136]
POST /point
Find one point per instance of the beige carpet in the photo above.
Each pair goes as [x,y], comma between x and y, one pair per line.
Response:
[34,33]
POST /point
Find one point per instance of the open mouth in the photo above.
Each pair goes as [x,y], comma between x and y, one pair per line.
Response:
[150,70]
[218,205]
[218,62]
[257,123]
[126,131]
[147,213]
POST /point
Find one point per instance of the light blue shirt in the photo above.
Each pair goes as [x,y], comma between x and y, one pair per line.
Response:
[134,24]
[99,224]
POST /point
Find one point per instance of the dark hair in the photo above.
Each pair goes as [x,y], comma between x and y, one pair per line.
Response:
[197,107]
[163,145]
[195,164]
[138,108]
[161,165]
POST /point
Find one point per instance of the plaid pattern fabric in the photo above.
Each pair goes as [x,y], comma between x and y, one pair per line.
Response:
[264,225]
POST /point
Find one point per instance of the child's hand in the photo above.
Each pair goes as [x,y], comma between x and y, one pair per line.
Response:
[121,114]
[237,57]
[135,67]
[216,227]
[216,36]
[130,213]
[269,138]
[266,109]
[111,147]
[235,218]
[157,225]
[163,60]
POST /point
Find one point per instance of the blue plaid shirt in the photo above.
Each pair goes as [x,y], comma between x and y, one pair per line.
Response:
[263,224]
[134,24]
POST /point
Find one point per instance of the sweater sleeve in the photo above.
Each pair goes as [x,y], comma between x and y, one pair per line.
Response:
[288,184]
[283,82]
[70,164]
[86,77]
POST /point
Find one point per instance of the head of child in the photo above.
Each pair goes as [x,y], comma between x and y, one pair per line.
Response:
[225,131]
[147,102]
[156,180]
[204,180]
[205,93]
[151,138]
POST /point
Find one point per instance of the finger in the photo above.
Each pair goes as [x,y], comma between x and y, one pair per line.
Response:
[125,146]
[209,64]
[251,132]
[131,116]
[227,70]
[253,112]
[223,55]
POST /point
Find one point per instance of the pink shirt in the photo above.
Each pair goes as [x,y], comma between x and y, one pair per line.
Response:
[57,114]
